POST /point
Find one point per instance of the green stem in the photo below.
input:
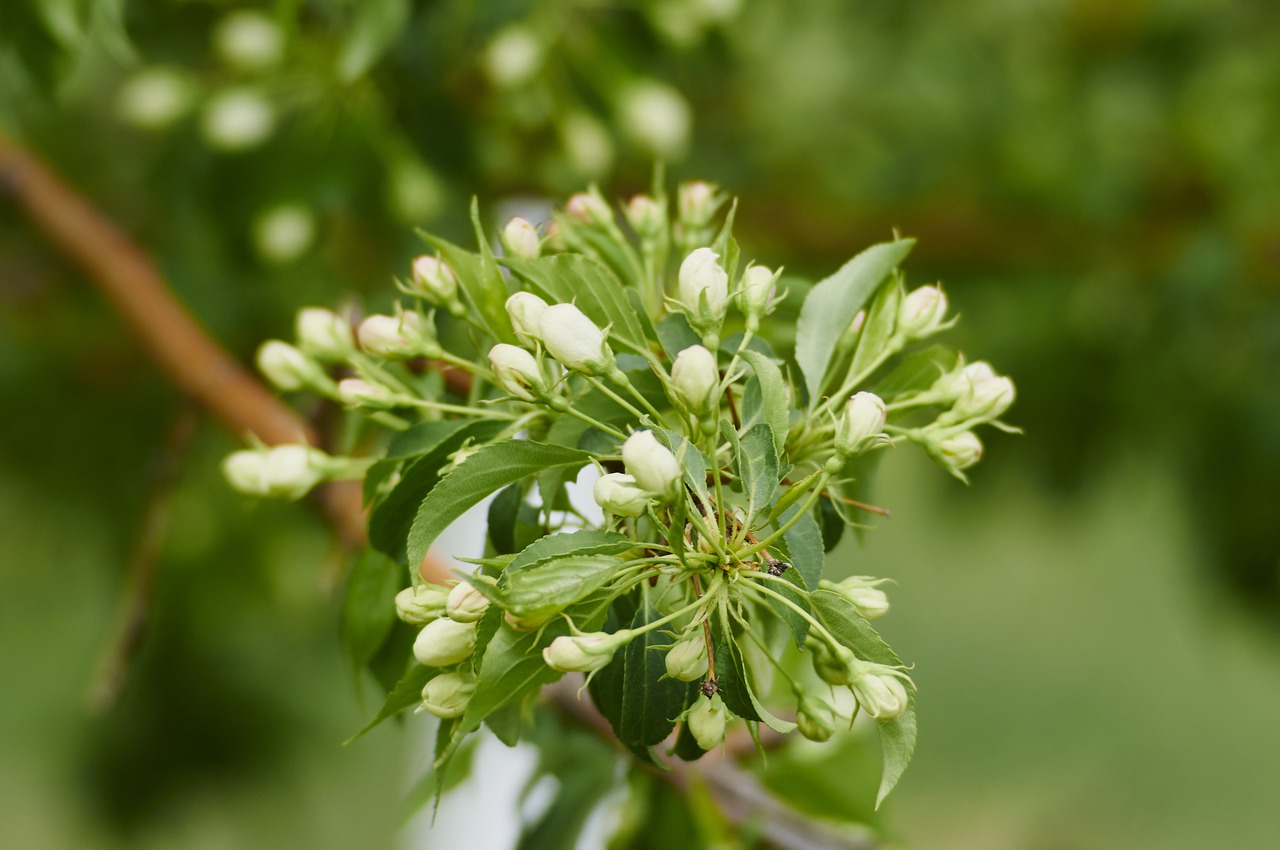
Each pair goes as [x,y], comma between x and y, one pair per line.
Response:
[823,478]
[598,384]
[460,409]
[608,429]
[850,385]
[813,623]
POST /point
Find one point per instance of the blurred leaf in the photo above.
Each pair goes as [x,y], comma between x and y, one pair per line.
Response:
[368,608]
[407,692]
[371,33]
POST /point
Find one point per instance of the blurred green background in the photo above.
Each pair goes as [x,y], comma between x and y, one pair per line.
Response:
[1093,621]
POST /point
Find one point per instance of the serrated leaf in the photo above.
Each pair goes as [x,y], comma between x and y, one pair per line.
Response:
[486,291]
[488,470]
[556,584]
[562,278]
[773,396]
[368,606]
[804,545]
[735,682]
[898,734]
[756,462]
[391,518]
[590,541]
[504,510]
[650,703]
[882,320]
[832,303]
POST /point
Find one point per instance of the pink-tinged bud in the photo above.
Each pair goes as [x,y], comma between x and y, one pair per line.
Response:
[707,721]
[646,217]
[618,494]
[447,695]
[443,642]
[697,202]
[589,208]
[652,464]
[433,281]
[465,604]
[525,310]
[398,337]
[922,313]
[520,239]
[574,340]
[517,372]
[861,422]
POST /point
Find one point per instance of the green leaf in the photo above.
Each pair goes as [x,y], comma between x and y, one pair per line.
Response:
[882,321]
[376,25]
[831,305]
[391,519]
[735,682]
[756,461]
[591,541]
[488,470]
[562,278]
[504,510]
[804,546]
[675,335]
[773,396]
[368,607]
[917,371]
[556,584]
[483,287]
[897,735]
[798,625]
[407,693]
[650,703]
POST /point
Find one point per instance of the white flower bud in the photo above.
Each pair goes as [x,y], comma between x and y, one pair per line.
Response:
[288,368]
[584,653]
[652,464]
[443,642]
[697,202]
[419,605]
[961,451]
[922,313]
[983,396]
[815,719]
[517,372]
[513,57]
[687,660]
[759,288]
[237,119]
[525,310]
[589,208]
[696,377]
[249,40]
[397,337]
[863,593]
[324,334]
[155,98]
[952,385]
[618,494]
[520,239]
[574,340]
[587,143]
[704,289]
[646,217]
[526,623]
[284,233]
[656,117]
[355,393]
[434,282]
[284,472]
[861,422]
[878,690]
[707,720]
[465,604]
[447,695]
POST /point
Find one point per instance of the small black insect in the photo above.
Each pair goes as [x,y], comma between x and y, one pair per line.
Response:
[710,687]
[777,568]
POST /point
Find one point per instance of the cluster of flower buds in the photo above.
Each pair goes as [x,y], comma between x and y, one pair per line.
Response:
[448,618]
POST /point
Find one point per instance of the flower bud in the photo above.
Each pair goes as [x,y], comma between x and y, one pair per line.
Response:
[397,337]
[249,40]
[419,605]
[237,119]
[831,666]
[697,202]
[759,288]
[517,372]
[574,340]
[959,452]
[154,98]
[704,289]
[862,593]
[584,653]
[860,424]
[288,368]
[283,472]
[355,393]
[589,208]
[696,377]
[618,494]
[923,312]
[878,690]
[324,334]
[465,604]
[984,396]
[513,57]
[656,117]
[815,719]
[447,695]
[952,385]
[525,310]
[434,282]
[646,217]
[707,720]
[687,660]
[525,623]
[652,464]
[520,239]
[443,642]
[284,233]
